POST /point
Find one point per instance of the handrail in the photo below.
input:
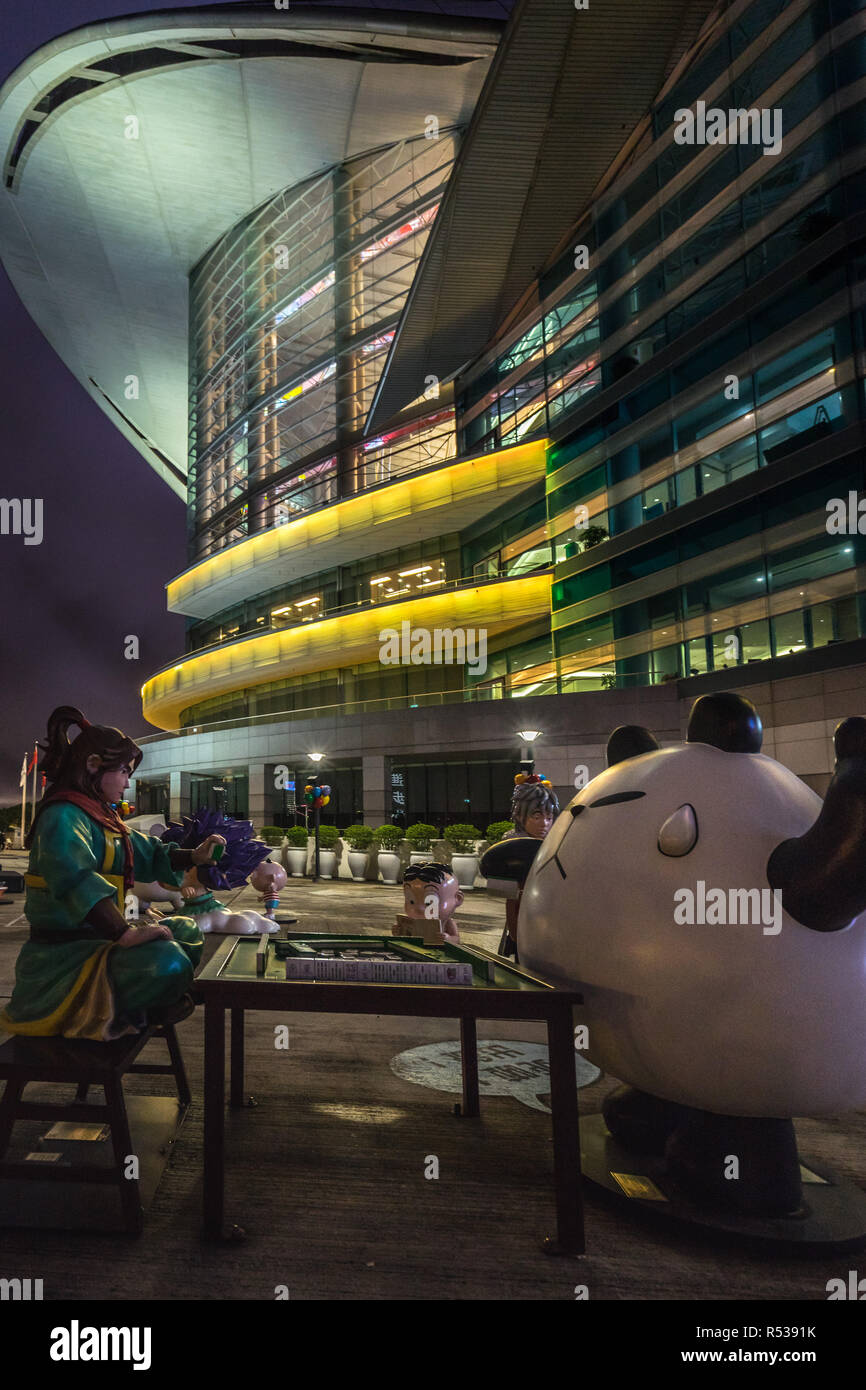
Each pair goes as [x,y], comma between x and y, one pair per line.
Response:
[263,488]
[491,691]
[471,582]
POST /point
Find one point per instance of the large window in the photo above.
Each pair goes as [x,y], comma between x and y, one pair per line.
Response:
[227,793]
[444,792]
[152,796]
[292,316]
[583,355]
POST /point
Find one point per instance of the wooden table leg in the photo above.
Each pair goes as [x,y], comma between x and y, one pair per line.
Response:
[184,1095]
[214,1118]
[469,1064]
[236,1085]
[8,1105]
[566,1135]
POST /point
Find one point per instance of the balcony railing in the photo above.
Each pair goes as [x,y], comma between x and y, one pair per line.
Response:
[447,585]
[490,690]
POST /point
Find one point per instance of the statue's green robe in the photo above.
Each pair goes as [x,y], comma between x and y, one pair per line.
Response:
[88,987]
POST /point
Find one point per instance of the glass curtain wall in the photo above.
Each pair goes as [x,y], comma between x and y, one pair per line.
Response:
[292,316]
[717,248]
[602,319]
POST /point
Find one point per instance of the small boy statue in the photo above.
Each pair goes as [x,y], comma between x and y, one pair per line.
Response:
[431,895]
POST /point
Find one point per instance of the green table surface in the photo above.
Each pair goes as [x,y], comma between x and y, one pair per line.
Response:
[241,964]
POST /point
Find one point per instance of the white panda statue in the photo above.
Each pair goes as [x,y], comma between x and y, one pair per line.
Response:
[712,911]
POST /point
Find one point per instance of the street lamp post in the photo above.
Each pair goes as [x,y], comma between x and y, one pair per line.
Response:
[316,758]
[527,752]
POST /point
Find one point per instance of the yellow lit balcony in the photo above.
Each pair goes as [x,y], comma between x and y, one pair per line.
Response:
[413,508]
[347,639]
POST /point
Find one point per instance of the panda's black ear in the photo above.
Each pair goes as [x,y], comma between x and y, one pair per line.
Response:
[726,721]
[629,741]
[850,738]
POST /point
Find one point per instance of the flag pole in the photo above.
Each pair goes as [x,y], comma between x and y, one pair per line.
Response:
[23,779]
[35,759]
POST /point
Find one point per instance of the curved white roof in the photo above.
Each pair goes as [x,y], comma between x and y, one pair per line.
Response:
[99,231]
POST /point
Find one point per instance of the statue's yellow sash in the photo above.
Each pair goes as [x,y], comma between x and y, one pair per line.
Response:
[116,880]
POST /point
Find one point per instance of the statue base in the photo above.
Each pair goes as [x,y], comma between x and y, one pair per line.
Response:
[831,1219]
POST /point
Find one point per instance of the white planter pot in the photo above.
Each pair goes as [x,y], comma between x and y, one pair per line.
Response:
[465,868]
[357,864]
[421,856]
[297,861]
[389,866]
[327,863]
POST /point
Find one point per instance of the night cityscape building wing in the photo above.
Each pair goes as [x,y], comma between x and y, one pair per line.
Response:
[655,352]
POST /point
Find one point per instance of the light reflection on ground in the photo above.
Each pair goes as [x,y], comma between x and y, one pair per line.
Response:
[361,1114]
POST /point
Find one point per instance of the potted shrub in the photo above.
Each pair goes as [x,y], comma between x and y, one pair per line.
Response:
[328,837]
[387,838]
[464,860]
[498,830]
[420,837]
[272,835]
[359,838]
[296,852]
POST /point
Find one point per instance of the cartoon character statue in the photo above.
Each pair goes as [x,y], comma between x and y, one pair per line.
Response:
[431,896]
[534,807]
[87,972]
[242,855]
[713,913]
[268,879]
[154,892]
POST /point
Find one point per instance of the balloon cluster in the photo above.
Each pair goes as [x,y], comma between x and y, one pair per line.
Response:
[317,796]
[527,779]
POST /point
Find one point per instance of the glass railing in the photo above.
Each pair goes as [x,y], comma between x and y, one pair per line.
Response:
[376,463]
[340,610]
[495,690]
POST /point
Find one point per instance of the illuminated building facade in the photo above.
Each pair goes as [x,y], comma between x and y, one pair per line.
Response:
[588,391]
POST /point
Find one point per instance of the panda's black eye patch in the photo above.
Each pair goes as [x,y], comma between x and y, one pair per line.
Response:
[619,796]
[576,810]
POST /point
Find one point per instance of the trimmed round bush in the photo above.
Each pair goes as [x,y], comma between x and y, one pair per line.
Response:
[421,836]
[498,830]
[358,837]
[387,837]
[462,837]
[328,836]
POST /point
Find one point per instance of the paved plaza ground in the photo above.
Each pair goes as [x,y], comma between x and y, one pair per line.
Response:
[326,1172]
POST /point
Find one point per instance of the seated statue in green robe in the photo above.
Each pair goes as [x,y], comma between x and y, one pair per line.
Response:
[86,971]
